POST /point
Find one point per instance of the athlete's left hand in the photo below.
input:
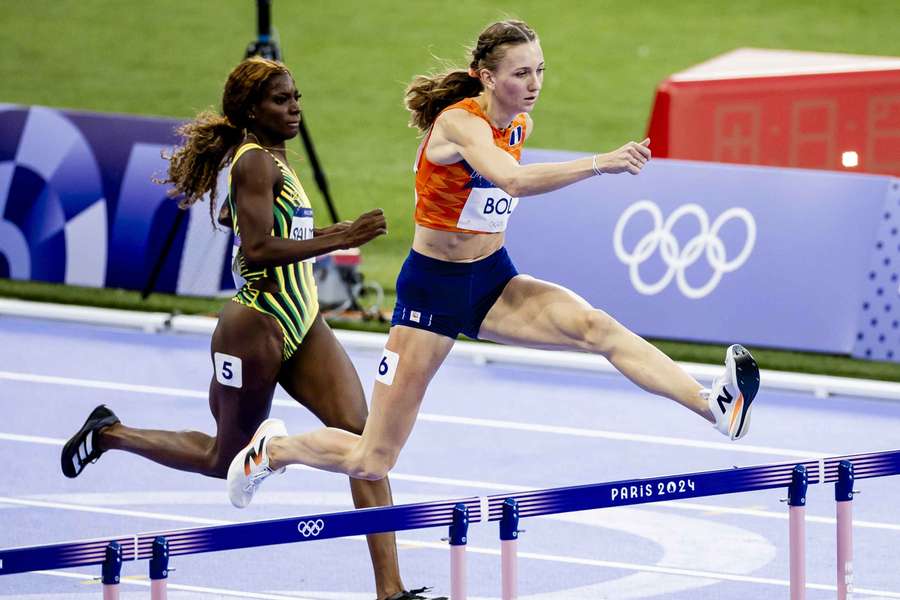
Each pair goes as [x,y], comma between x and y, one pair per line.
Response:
[336,228]
[630,158]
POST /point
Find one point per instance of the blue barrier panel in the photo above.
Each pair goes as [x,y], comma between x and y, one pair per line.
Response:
[78,204]
[717,253]
[436,514]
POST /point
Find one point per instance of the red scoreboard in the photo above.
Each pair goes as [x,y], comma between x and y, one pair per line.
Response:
[780,108]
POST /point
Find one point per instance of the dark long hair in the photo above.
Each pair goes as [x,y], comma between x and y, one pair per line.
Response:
[210,138]
[428,95]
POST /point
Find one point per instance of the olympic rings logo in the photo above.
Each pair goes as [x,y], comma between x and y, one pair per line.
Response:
[676,258]
[311,528]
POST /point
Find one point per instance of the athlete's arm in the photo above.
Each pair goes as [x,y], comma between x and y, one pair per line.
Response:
[255,178]
[335,228]
[470,137]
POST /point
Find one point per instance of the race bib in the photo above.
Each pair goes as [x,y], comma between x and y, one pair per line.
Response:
[487,210]
[228,369]
[387,367]
[302,227]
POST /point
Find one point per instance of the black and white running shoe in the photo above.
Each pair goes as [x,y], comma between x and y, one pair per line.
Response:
[732,393]
[81,449]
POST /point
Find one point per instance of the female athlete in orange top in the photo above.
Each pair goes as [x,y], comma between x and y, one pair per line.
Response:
[459,278]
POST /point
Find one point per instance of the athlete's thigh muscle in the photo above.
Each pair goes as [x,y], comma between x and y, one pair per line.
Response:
[321,377]
[246,353]
[535,313]
[414,357]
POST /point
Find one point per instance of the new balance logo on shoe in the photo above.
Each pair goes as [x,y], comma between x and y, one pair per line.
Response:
[723,399]
[255,455]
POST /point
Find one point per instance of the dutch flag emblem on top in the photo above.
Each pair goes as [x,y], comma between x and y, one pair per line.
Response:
[515,136]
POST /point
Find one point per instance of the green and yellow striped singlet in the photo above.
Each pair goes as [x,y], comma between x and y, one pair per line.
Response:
[296,304]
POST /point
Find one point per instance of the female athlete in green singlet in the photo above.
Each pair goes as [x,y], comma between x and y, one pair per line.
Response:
[271,332]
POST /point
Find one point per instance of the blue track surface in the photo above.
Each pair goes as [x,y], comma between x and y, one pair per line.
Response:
[483,430]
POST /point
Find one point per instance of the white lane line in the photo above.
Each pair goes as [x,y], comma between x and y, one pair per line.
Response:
[619,436]
[447,419]
[573,560]
[505,487]
[32,439]
[102,385]
[180,587]
[465,483]
[114,511]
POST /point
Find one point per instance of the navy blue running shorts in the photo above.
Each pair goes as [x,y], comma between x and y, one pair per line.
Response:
[450,298]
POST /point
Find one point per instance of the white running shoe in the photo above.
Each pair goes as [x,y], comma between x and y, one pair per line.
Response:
[251,465]
[732,393]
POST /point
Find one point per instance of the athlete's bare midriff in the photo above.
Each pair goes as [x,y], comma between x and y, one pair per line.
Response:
[454,246]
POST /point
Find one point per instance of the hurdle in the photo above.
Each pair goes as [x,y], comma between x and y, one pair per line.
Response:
[458,514]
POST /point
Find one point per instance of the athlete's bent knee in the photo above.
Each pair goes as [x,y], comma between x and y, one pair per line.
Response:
[372,466]
[598,332]
[217,466]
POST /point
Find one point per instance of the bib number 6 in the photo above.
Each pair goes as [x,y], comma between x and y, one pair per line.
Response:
[387,367]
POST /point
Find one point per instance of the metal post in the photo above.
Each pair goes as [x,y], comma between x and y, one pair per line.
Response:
[843,495]
[509,541]
[458,538]
[111,571]
[797,522]
[159,569]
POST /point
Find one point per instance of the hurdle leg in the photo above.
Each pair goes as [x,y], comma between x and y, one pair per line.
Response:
[458,539]
[159,569]
[112,571]
[843,496]
[509,542]
[797,525]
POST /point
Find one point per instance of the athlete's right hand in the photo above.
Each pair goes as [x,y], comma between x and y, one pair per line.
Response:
[365,228]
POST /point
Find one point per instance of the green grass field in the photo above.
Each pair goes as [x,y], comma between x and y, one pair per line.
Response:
[352,60]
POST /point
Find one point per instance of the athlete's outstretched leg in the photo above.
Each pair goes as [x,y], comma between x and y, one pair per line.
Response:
[242,333]
[538,314]
[535,313]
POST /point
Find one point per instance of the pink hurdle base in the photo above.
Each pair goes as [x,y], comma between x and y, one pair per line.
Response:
[158,590]
[457,573]
[797,523]
[509,586]
[844,550]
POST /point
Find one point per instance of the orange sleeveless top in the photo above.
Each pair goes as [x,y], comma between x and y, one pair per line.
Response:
[455,197]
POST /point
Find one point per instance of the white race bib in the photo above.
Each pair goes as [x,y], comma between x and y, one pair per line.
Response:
[487,210]
[228,370]
[387,367]
[302,227]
